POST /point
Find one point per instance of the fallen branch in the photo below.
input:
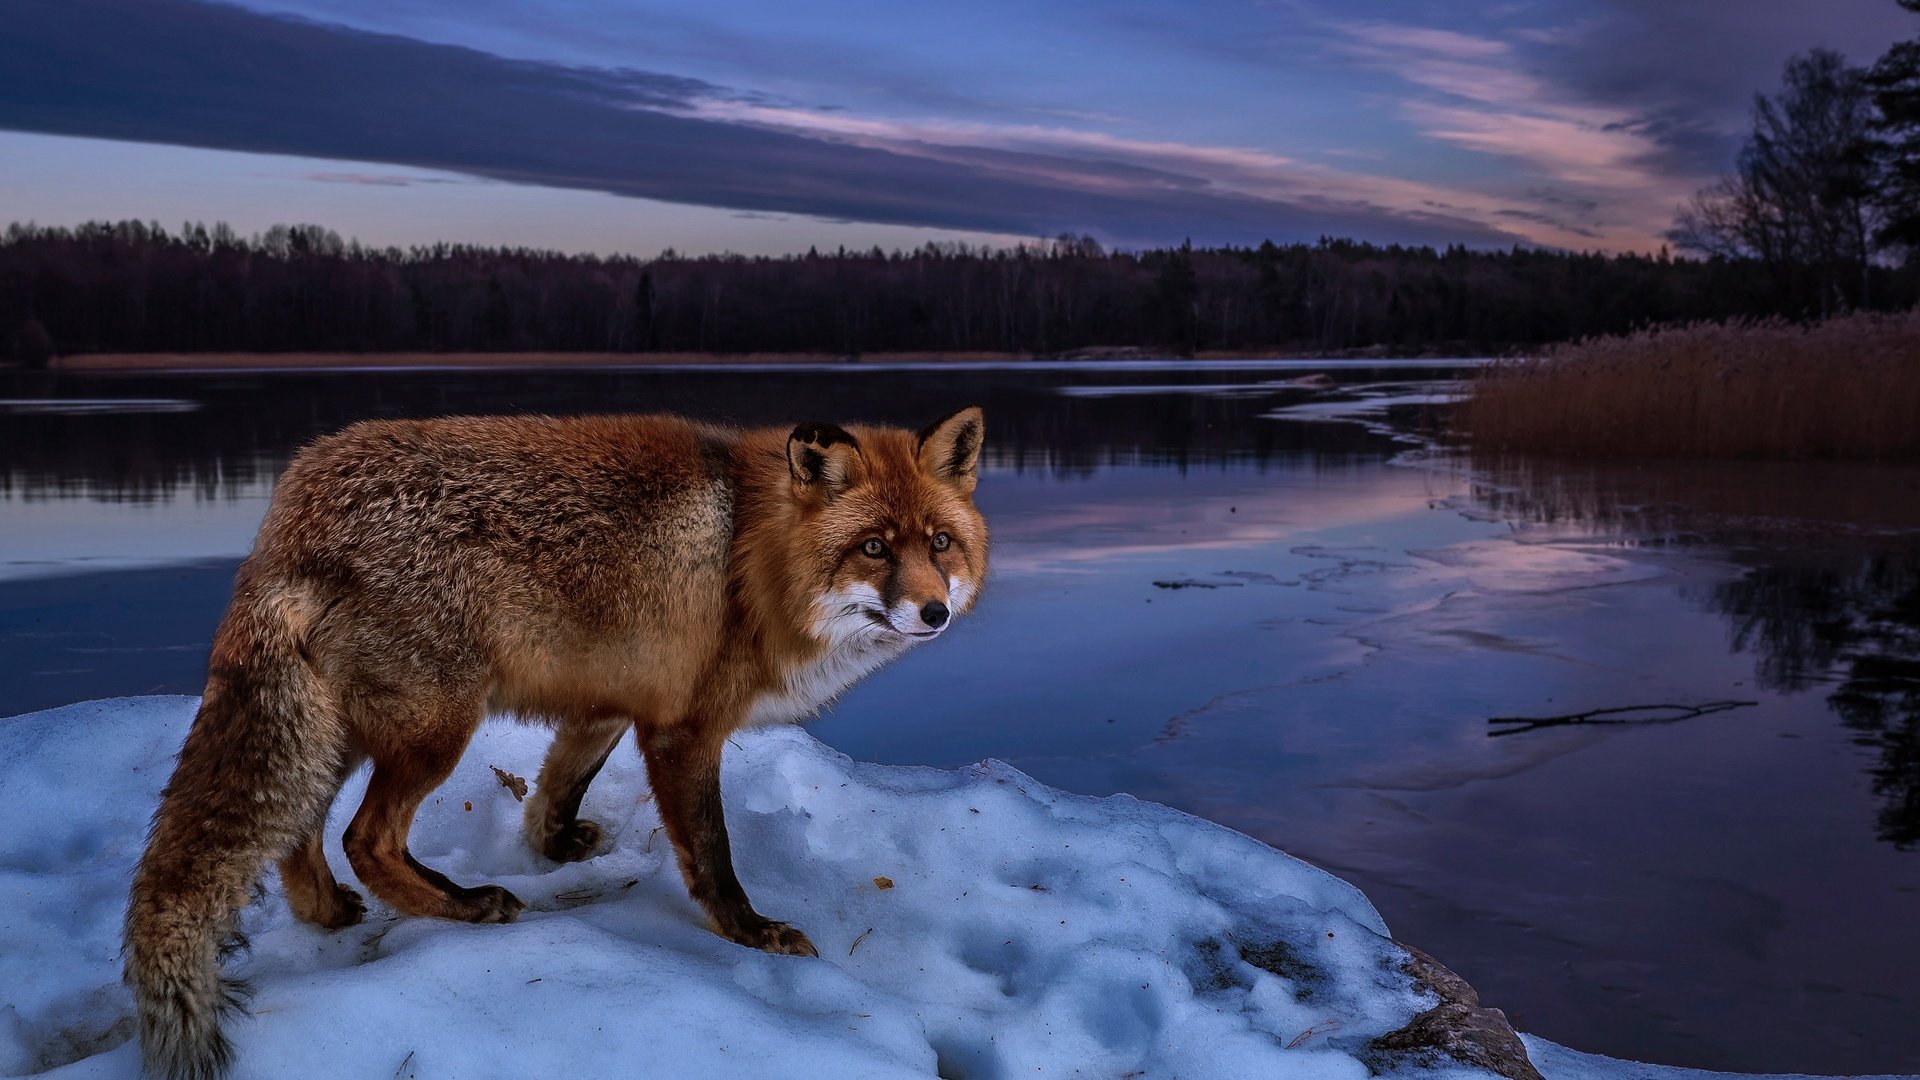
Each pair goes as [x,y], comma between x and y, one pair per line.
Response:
[1617,715]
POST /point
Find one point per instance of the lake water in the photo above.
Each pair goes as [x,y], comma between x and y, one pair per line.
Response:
[1267,604]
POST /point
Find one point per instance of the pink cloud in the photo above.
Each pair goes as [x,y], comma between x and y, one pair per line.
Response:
[1473,93]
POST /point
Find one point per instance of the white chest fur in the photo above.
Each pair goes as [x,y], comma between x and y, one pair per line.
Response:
[813,686]
[855,645]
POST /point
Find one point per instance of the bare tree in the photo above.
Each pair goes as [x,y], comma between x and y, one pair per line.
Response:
[1802,196]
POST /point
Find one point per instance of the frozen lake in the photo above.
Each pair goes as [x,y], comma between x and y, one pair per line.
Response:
[1255,600]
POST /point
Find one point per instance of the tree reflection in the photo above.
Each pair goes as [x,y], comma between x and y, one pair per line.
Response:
[1828,595]
[242,427]
[1856,624]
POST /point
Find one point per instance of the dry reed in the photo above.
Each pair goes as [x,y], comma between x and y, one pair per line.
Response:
[1844,388]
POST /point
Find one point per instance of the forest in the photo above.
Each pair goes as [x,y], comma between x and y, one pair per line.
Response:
[138,287]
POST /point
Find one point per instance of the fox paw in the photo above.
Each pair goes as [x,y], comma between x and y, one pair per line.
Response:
[573,841]
[484,904]
[774,937]
[347,909]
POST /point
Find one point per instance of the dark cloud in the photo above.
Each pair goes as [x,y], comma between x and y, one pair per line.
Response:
[825,62]
[1688,69]
[199,74]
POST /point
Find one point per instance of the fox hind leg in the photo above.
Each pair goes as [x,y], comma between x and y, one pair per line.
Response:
[553,822]
[312,891]
[376,841]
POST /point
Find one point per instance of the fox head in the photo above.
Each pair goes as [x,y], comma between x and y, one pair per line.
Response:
[895,546]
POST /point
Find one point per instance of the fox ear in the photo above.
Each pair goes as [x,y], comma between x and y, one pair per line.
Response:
[950,448]
[823,457]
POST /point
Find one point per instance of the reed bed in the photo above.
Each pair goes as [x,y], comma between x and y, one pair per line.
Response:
[1846,388]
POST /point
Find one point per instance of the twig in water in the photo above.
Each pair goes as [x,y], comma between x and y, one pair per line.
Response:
[1617,715]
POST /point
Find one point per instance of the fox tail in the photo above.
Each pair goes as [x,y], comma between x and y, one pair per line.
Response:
[255,776]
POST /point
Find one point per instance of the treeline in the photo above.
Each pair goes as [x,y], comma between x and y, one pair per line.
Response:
[138,287]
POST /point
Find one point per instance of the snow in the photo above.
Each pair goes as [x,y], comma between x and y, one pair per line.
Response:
[971,923]
[1025,932]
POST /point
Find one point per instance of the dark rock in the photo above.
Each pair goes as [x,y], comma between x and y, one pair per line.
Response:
[1459,1027]
[1280,959]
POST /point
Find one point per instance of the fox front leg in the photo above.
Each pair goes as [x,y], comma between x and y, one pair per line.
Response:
[683,766]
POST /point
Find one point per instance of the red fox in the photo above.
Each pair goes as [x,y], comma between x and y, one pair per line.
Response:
[599,574]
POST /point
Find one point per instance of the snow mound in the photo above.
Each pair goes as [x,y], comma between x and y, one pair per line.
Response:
[971,923]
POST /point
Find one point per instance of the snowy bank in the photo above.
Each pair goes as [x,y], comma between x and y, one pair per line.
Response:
[970,923]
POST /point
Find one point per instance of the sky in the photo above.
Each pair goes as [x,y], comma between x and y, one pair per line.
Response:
[768,126]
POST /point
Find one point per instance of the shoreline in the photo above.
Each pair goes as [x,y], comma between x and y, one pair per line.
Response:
[321,360]
[297,361]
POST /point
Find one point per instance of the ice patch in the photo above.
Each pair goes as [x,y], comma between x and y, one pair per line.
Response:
[95,406]
[1556,1062]
[1369,404]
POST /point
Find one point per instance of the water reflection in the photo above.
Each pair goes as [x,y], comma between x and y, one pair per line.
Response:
[1828,589]
[1857,625]
[1726,502]
[148,437]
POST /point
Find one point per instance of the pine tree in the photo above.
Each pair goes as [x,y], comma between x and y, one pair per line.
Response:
[1895,81]
[1180,295]
[642,336]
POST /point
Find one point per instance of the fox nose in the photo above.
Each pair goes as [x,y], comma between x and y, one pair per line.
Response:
[934,614]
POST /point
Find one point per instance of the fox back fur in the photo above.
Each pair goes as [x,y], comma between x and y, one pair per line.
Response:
[600,574]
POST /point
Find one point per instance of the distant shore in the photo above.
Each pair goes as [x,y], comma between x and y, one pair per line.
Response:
[322,360]
[178,361]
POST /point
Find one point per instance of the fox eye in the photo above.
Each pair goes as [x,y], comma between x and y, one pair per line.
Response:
[941,541]
[874,548]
